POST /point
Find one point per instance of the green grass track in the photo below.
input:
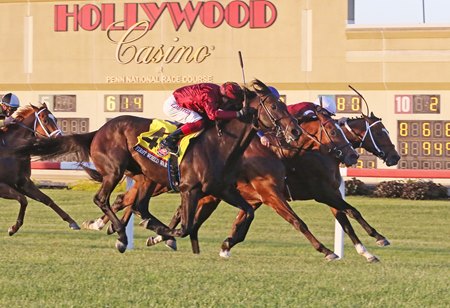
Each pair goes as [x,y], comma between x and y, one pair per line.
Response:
[48,265]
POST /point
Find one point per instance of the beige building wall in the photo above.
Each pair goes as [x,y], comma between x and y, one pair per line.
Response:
[304,48]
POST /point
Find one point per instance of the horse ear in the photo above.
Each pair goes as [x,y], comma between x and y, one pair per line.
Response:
[260,87]
[372,115]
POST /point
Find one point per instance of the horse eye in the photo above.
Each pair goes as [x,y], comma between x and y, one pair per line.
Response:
[333,133]
[274,107]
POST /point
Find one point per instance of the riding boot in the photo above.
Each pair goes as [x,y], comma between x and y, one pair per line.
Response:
[171,141]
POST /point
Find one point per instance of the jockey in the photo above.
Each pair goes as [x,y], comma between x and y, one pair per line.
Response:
[303,111]
[327,103]
[9,104]
[190,104]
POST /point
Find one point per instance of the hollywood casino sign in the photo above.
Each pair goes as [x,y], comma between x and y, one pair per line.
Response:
[138,19]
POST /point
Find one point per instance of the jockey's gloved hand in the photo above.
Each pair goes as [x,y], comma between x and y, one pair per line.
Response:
[9,121]
[244,112]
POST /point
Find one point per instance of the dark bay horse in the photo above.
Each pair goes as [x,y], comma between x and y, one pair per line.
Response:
[15,171]
[317,176]
[208,167]
[263,170]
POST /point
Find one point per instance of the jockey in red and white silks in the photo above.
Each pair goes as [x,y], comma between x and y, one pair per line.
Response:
[190,104]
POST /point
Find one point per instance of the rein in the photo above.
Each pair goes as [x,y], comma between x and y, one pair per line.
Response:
[336,149]
[279,132]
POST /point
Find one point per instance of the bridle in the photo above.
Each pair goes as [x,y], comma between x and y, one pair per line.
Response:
[279,133]
[368,132]
[38,123]
[334,149]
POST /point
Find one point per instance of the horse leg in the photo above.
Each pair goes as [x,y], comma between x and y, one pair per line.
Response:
[30,190]
[273,197]
[99,223]
[241,226]
[170,240]
[348,229]
[189,200]
[335,200]
[101,199]
[205,208]
[8,192]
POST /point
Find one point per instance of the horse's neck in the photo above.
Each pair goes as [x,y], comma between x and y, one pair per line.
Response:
[234,139]
[15,134]
[312,136]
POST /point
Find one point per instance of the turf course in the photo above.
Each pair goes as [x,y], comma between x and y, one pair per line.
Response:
[48,265]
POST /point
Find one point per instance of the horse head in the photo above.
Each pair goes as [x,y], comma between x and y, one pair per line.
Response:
[38,120]
[321,132]
[271,113]
[369,133]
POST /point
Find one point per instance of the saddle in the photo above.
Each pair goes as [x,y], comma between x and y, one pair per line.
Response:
[148,146]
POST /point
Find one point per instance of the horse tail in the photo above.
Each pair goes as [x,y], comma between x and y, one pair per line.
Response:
[93,174]
[78,144]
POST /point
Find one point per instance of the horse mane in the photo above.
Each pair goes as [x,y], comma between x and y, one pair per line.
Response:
[24,111]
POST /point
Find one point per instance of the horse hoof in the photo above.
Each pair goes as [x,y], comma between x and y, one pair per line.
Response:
[226,254]
[383,243]
[110,230]
[151,241]
[172,244]
[373,259]
[92,225]
[332,257]
[121,247]
[74,226]
[11,231]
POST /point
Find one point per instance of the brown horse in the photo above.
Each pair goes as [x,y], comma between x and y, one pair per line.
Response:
[317,176]
[15,172]
[262,169]
[208,167]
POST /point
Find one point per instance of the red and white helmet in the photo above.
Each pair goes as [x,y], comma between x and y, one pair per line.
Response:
[231,90]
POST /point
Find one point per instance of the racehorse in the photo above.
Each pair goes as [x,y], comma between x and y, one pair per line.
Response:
[262,169]
[317,176]
[15,182]
[208,167]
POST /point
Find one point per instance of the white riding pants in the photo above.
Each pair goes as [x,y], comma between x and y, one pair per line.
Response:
[178,113]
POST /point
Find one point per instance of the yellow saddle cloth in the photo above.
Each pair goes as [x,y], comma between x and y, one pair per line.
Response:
[148,142]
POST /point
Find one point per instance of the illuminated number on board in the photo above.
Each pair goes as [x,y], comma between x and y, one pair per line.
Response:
[403,129]
[447,149]
[127,102]
[447,129]
[426,131]
[426,146]
[434,103]
[356,103]
[340,104]
[438,148]
[360,164]
[404,148]
[138,101]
